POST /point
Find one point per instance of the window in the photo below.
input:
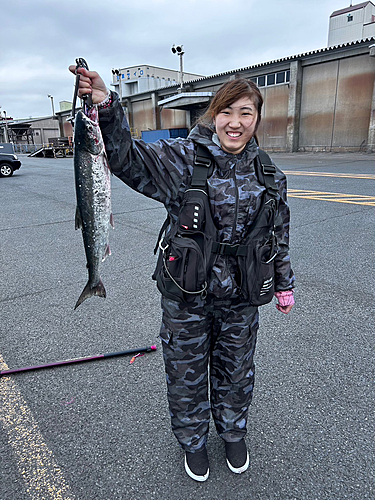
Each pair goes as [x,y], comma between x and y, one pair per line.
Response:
[350,17]
[271,79]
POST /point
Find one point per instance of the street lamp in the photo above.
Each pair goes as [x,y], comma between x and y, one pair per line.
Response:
[53,108]
[118,73]
[6,134]
[179,51]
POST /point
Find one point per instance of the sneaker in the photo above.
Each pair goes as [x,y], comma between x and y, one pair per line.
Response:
[237,456]
[196,464]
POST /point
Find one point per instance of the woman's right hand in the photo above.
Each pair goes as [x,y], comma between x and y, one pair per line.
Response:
[90,82]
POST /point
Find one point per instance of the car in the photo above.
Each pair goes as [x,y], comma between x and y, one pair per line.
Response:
[8,164]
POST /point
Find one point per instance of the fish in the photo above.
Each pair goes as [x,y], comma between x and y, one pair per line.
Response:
[93,192]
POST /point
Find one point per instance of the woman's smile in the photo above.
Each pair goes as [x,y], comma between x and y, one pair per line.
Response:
[236,124]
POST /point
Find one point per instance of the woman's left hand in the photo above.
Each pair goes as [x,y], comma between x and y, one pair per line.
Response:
[285,301]
[284,309]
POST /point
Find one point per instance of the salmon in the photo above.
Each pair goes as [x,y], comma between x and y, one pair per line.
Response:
[93,191]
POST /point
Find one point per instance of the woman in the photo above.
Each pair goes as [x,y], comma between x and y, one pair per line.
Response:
[208,340]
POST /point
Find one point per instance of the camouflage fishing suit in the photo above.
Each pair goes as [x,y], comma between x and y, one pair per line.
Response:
[215,333]
[211,341]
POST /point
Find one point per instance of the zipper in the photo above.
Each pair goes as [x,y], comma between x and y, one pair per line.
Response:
[234,228]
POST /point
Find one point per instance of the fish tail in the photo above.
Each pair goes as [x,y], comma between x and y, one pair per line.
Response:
[88,292]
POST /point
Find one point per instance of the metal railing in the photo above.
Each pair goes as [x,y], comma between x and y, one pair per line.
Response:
[27,148]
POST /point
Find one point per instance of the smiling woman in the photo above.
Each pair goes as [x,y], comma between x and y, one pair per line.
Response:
[222,254]
[236,124]
[235,114]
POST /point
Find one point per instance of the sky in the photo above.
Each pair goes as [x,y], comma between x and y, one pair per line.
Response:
[40,39]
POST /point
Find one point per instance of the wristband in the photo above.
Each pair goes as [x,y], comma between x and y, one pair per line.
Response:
[107,102]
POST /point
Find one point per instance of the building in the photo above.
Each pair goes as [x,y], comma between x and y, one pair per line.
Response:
[131,81]
[34,131]
[323,100]
[351,24]
[135,79]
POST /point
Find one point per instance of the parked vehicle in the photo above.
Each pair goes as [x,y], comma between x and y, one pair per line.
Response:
[8,164]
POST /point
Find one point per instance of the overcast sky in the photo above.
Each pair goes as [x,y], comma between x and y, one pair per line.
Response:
[39,40]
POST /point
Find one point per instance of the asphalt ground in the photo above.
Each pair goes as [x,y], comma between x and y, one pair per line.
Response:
[101,430]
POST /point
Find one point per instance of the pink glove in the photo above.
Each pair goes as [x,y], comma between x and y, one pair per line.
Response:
[285,301]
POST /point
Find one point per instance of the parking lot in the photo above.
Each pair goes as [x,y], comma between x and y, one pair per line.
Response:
[101,430]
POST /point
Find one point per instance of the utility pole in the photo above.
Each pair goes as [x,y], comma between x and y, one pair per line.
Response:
[6,134]
[179,51]
[118,74]
[53,108]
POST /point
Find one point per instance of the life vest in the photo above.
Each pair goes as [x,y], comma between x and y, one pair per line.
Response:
[188,247]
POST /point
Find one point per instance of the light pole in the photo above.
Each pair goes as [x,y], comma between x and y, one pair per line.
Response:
[118,73]
[6,135]
[179,51]
[53,108]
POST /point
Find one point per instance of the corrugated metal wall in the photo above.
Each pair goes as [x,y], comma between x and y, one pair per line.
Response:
[317,104]
[143,117]
[272,129]
[336,104]
[173,118]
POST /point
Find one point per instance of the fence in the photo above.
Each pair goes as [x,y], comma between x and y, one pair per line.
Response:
[27,148]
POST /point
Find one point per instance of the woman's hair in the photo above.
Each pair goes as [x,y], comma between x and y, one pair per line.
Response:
[229,93]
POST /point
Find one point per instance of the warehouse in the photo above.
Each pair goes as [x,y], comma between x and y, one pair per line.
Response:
[322,100]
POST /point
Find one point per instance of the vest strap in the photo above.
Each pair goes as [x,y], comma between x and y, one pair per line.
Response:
[267,172]
[202,164]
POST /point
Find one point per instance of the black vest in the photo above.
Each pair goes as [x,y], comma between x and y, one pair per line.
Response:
[189,248]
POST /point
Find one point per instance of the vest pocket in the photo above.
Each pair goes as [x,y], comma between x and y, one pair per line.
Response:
[181,270]
[258,269]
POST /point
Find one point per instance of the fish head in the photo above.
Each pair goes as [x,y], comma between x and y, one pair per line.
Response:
[87,134]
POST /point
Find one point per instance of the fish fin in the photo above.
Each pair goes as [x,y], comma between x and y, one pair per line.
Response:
[111,220]
[88,292]
[106,253]
[79,224]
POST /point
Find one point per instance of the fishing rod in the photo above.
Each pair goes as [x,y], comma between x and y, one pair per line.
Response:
[80,360]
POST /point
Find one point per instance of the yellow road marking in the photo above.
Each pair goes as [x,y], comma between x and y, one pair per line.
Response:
[36,464]
[329,174]
[356,199]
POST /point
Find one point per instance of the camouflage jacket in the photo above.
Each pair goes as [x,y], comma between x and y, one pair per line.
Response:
[161,171]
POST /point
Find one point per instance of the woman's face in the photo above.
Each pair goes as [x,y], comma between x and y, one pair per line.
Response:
[235,125]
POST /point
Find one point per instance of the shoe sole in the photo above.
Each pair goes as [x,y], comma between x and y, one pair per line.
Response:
[201,479]
[239,470]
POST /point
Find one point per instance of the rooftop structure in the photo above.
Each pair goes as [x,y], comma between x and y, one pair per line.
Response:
[353,23]
[136,79]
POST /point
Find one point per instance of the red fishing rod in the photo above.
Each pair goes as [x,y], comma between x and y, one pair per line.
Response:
[129,352]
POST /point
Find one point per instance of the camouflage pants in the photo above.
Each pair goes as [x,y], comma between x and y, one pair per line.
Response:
[208,343]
